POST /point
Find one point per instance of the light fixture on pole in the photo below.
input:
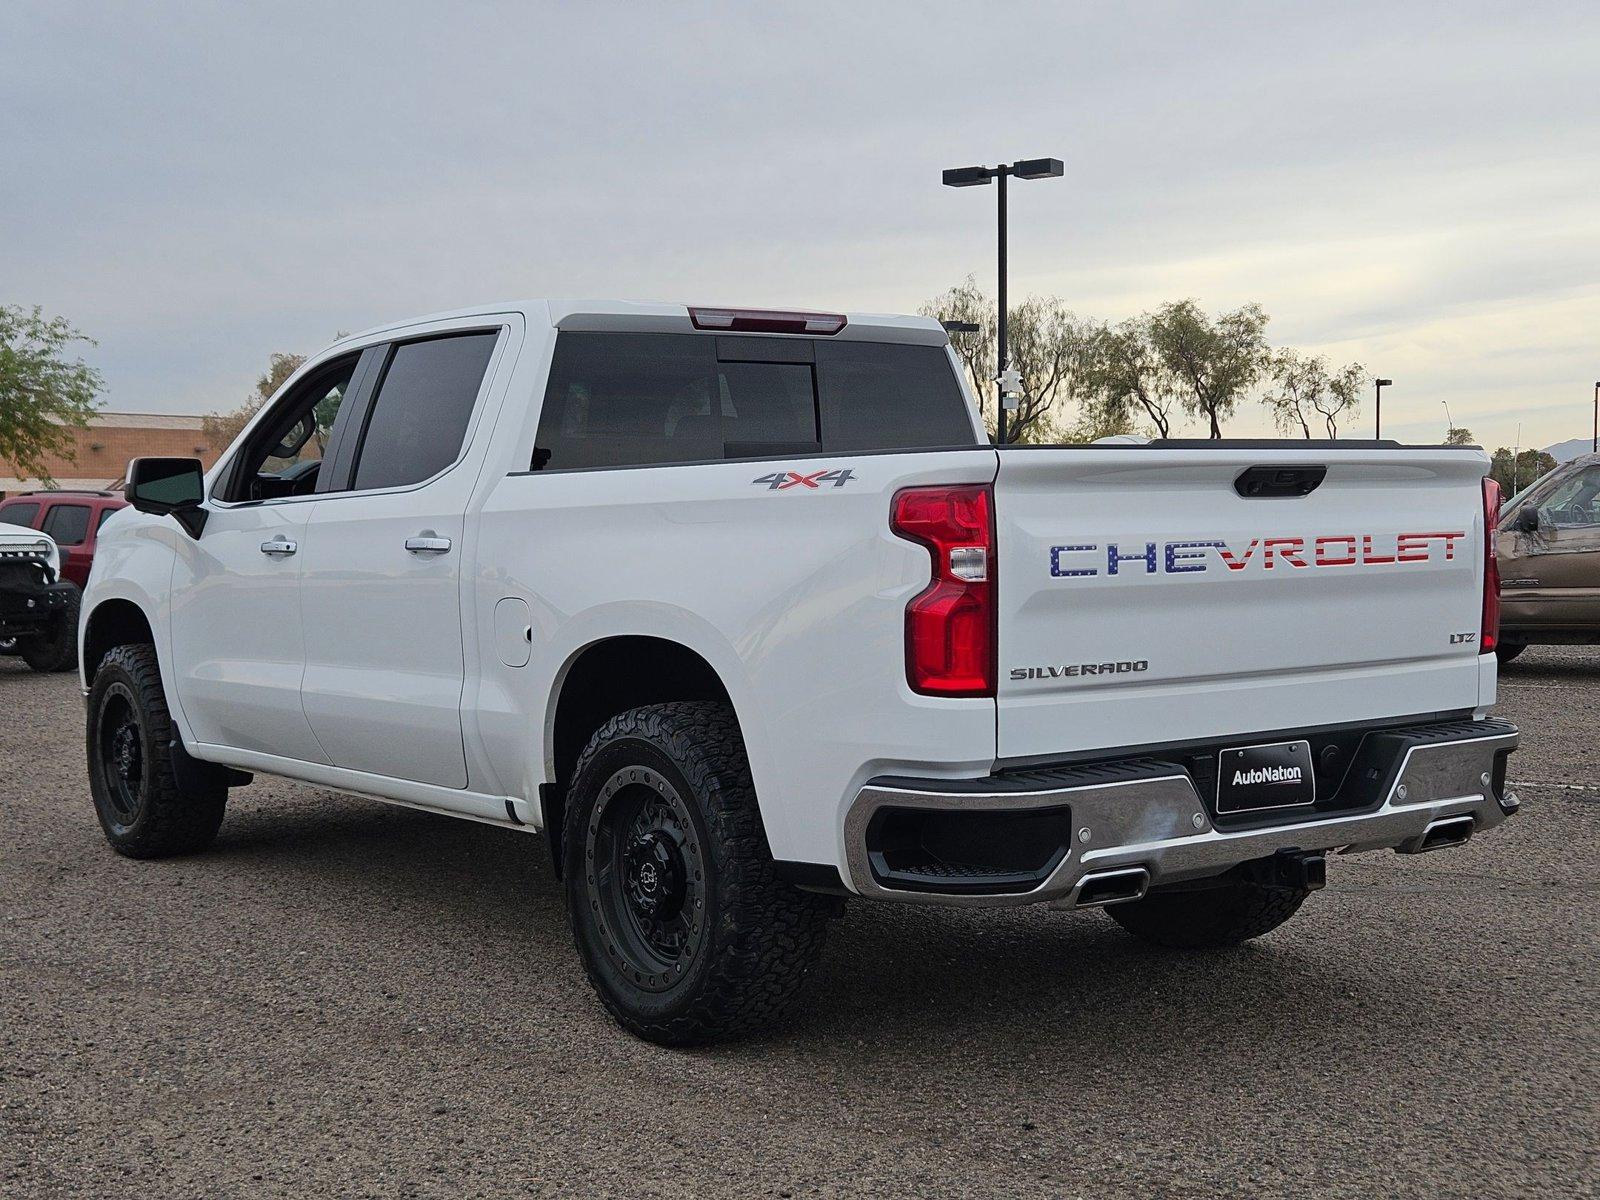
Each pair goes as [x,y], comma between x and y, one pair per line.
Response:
[1027,168]
[1594,446]
[1449,421]
[1377,417]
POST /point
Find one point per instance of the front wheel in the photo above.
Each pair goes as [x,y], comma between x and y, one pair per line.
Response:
[684,928]
[142,808]
[1209,918]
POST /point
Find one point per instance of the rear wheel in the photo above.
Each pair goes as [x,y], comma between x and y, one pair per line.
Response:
[142,809]
[685,930]
[1209,918]
[56,649]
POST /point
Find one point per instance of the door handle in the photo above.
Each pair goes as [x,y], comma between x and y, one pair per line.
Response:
[428,545]
[279,547]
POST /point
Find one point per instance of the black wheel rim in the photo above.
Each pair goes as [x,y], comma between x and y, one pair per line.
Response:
[645,878]
[122,755]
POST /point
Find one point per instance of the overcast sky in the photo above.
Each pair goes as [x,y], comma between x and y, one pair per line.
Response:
[1416,187]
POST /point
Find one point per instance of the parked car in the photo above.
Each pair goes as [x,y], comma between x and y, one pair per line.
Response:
[1549,546]
[38,609]
[72,519]
[745,612]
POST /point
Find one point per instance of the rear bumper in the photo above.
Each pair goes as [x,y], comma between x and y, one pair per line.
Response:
[1409,791]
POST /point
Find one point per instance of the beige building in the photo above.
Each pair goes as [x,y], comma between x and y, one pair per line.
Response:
[104,448]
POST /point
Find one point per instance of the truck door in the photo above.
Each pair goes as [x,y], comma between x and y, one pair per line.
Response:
[1551,575]
[382,570]
[238,641]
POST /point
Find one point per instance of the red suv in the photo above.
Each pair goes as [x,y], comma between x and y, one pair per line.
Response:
[73,519]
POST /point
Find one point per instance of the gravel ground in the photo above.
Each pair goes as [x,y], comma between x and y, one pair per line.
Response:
[348,999]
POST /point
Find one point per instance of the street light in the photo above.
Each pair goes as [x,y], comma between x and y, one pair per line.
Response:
[1594,446]
[1377,419]
[1449,421]
[1027,168]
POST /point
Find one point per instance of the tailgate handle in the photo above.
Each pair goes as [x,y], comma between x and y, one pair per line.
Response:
[1257,483]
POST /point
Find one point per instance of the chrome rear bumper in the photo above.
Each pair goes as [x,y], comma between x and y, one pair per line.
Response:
[1158,822]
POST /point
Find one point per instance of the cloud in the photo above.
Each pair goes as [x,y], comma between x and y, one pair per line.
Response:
[1410,186]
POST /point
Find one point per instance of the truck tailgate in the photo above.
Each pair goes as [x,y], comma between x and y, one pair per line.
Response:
[1143,600]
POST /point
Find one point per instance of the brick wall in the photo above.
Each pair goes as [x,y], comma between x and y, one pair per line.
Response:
[103,449]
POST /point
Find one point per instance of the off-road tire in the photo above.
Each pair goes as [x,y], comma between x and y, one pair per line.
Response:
[757,936]
[1506,651]
[1208,918]
[56,650]
[152,816]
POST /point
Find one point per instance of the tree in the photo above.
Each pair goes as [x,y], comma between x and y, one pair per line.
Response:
[1217,360]
[1127,376]
[1514,477]
[1049,346]
[1459,437]
[43,394]
[220,429]
[1342,396]
[1295,381]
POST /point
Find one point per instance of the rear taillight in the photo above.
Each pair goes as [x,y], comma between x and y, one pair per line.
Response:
[1490,636]
[762,320]
[950,625]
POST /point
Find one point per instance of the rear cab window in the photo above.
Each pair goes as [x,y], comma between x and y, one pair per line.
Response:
[642,399]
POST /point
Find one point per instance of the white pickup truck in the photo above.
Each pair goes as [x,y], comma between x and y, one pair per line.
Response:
[741,608]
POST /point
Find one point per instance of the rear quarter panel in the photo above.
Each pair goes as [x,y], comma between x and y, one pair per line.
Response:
[795,595]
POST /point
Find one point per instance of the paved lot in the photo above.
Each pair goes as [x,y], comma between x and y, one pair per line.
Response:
[349,999]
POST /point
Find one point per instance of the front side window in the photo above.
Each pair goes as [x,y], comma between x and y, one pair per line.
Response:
[419,417]
[1575,502]
[284,453]
[67,523]
[19,514]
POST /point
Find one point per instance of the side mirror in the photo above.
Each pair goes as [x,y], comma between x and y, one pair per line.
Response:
[1526,520]
[169,487]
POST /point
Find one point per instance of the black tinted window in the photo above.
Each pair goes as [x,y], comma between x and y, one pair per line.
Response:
[625,399]
[67,523]
[882,396]
[19,514]
[419,417]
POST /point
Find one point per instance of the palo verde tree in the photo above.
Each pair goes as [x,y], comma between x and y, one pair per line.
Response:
[1049,346]
[1127,379]
[1217,359]
[1302,393]
[44,392]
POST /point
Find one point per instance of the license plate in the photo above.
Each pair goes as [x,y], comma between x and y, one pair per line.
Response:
[1278,775]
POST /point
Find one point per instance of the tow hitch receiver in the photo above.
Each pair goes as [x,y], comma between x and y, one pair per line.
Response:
[1300,870]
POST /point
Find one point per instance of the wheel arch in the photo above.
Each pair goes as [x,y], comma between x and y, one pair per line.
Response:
[115,621]
[606,677]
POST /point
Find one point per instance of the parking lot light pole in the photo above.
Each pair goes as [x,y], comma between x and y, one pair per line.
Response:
[1594,446]
[1377,411]
[1026,168]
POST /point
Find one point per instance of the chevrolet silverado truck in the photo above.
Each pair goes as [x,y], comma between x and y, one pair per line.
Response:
[742,610]
[38,609]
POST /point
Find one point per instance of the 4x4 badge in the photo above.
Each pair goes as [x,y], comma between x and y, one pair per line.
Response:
[782,480]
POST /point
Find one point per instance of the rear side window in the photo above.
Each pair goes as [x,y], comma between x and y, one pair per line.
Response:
[104,513]
[419,417]
[625,399]
[19,514]
[67,523]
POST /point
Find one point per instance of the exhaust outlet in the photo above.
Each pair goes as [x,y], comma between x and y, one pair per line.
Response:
[1444,833]
[1100,888]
